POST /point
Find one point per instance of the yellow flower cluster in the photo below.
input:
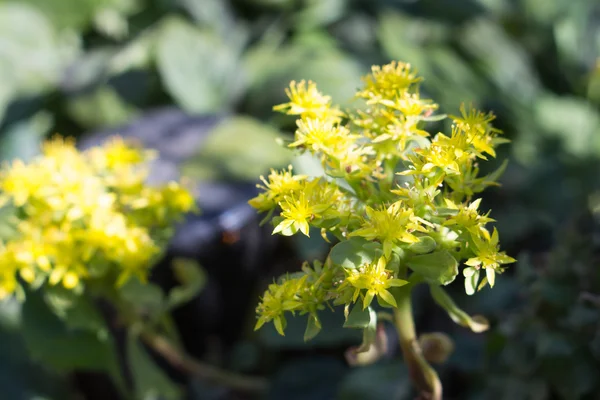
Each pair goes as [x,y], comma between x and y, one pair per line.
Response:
[84,215]
[370,280]
[399,198]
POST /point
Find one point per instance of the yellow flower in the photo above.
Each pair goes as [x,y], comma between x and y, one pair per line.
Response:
[307,101]
[388,81]
[277,185]
[296,212]
[417,194]
[477,126]
[117,153]
[488,256]
[277,299]
[319,136]
[390,226]
[375,279]
[468,217]
[77,211]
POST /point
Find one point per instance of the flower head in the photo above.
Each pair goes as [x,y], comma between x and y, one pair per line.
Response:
[76,211]
[388,81]
[307,101]
[277,299]
[488,256]
[277,186]
[390,225]
[372,280]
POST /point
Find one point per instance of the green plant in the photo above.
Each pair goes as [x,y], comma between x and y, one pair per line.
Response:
[400,204]
[82,228]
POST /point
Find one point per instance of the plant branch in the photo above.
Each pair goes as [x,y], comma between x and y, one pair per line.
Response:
[200,370]
[421,373]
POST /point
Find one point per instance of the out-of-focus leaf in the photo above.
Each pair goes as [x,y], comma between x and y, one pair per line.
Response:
[571,377]
[317,12]
[101,108]
[573,120]
[377,382]
[192,279]
[32,53]
[21,140]
[19,377]
[149,381]
[80,14]
[214,13]
[506,63]
[76,311]
[239,148]
[50,341]
[111,22]
[554,345]
[405,38]
[197,67]
[271,68]
[307,378]
[144,297]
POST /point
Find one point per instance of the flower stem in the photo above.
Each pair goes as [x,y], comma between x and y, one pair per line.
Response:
[200,370]
[421,373]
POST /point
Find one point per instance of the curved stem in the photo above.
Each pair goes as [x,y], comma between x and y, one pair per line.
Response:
[421,373]
[200,370]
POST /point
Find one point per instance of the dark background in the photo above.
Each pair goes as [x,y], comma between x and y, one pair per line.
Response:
[197,79]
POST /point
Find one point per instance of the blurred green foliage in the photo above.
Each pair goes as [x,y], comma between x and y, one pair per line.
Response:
[71,66]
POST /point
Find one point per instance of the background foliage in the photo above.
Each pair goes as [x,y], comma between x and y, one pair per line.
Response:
[74,66]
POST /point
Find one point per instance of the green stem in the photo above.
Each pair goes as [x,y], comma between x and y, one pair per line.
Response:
[201,370]
[421,373]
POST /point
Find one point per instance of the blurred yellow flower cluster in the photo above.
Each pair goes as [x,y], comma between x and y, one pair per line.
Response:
[396,197]
[82,216]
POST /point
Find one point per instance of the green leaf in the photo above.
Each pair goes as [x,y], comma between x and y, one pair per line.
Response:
[502,59]
[272,66]
[53,343]
[239,148]
[21,140]
[426,244]
[369,332]
[192,278]
[476,323]
[149,380]
[359,318]
[354,252]
[317,13]
[439,267]
[32,53]
[574,121]
[76,311]
[379,381]
[100,108]
[146,298]
[313,327]
[197,67]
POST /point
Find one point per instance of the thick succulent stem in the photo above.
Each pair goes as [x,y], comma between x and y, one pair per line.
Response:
[421,373]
